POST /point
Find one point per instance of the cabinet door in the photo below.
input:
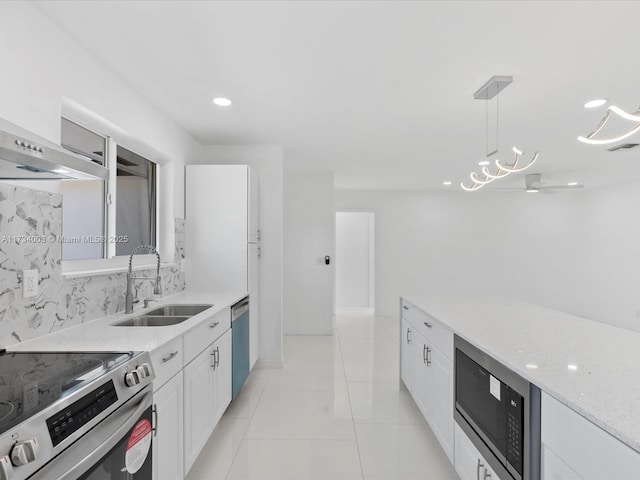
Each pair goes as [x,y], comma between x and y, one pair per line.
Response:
[405,354]
[469,464]
[198,405]
[167,442]
[420,371]
[440,391]
[222,376]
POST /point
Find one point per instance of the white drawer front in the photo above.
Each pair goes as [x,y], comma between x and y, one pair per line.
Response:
[207,331]
[166,361]
[438,335]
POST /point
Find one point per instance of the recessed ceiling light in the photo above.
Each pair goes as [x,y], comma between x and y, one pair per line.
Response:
[446,182]
[572,184]
[532,366]
[532,190]
[572,366]
[598,102]
[484,162]
[222,102]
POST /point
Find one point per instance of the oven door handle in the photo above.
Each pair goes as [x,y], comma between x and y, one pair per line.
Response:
[74,461]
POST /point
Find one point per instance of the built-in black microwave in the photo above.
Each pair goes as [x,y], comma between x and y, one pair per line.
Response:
[499,411]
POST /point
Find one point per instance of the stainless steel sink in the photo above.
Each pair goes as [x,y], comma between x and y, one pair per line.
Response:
[164,316]
[151,321]
[179,310]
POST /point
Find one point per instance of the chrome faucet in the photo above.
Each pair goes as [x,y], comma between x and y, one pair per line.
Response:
[157,290]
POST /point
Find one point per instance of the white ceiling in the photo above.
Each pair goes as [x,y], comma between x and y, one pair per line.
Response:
[380,93]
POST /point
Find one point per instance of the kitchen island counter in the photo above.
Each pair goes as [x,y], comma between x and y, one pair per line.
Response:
[591,367]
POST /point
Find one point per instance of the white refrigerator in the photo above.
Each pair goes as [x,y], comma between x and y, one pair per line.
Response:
[223,235]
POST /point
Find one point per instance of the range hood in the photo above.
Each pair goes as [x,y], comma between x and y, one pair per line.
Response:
[25,156]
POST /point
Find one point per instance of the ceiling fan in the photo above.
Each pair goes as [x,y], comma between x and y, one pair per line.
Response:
[533,184]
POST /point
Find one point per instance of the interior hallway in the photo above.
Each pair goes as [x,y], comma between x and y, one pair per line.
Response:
[334,411]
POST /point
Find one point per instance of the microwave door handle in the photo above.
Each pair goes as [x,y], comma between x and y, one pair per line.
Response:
[487,475]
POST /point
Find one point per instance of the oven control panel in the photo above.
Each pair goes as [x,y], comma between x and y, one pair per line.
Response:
[69,420]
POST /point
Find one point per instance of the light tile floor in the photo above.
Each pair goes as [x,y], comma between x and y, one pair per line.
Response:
[335,411]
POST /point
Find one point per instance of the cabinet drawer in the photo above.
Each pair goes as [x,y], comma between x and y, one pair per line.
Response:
[205,333]
[582,446]
[166,361]
[438,335]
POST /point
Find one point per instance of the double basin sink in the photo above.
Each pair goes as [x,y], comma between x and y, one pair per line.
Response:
[164,316]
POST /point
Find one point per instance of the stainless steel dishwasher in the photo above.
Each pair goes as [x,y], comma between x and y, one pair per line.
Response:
[240,317]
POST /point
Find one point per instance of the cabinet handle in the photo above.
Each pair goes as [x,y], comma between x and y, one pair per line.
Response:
[213,359]
[169,357]
[424,354]
[155,420]
[408,339]
[428,356]
[478,467]
[486,474]
[214,324]
[428,324]
[217,357]
[405,307]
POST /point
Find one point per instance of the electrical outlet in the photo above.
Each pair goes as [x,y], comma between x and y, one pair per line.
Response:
[183,265]
[29,283]
[29,397]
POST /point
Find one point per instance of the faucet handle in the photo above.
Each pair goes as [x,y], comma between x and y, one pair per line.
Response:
[147,301]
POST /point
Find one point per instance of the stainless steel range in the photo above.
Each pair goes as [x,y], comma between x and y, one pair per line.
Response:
[75,415]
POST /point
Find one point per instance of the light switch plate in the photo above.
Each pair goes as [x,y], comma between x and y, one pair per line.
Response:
[183,265]
[29,283]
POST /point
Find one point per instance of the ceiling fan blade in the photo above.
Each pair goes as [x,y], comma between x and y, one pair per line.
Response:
[564,187]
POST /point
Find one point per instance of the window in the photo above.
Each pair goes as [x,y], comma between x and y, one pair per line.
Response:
[91,227]
[135,202]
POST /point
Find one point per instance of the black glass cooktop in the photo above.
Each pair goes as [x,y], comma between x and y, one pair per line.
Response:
[31,381]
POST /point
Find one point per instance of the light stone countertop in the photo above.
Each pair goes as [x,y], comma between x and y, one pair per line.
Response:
[592,367]
[101,335]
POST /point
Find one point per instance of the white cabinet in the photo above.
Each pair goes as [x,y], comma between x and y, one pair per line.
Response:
[221,376]
[222,235]
[167,441]
[426,368]
[574,448]
[207,394]
[419,347]
[198,406]
[469,464]
[405,353]
[168,398]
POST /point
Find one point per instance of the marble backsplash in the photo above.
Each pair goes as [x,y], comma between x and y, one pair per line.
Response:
[30,223]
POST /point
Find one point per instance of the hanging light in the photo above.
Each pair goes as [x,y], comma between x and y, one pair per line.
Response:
[488,91]
[632,117]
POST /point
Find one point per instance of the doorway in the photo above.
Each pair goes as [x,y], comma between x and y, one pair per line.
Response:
[355,260]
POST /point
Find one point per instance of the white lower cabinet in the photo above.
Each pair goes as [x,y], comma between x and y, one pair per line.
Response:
[167,441]
[426,368]
[574,448]
[207,394]
[469,464]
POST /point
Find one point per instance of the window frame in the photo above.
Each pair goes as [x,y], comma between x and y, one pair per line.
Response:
[115,136]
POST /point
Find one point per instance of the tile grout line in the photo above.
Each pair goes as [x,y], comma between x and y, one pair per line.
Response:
[244,433]
[353,421]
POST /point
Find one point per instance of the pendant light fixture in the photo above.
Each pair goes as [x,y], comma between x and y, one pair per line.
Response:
[612,109]
[488,91]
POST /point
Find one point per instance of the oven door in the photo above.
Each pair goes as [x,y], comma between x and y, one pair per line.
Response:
[118,448]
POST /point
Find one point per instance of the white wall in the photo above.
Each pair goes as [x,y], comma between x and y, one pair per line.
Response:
[611,253]
[43,65]
[354,255]
[267,161]
[516,244]
[309,235]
